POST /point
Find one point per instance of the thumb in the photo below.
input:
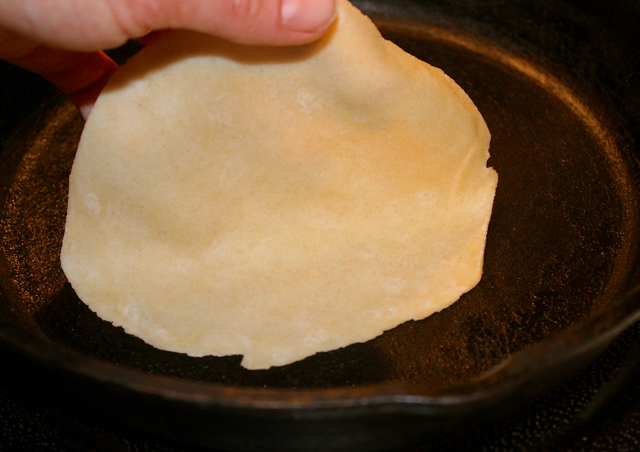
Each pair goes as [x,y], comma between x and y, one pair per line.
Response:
[98,24]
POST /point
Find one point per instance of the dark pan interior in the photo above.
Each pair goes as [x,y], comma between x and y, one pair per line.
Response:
[557,250]
[563,239]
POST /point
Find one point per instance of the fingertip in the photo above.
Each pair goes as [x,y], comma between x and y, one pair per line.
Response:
[257,22]
[86,72]
[86,98]
[308,16]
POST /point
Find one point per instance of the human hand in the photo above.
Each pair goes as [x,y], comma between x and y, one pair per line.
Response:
[62,39]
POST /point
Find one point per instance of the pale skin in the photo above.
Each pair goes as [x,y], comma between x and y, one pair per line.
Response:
[63,39]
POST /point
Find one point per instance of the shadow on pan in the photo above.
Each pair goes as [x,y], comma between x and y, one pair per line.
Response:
[559,88]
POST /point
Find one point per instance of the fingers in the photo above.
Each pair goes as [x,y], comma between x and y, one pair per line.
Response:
[276,22]
[84,79]
[62,39]
[85,98]
[79,75]
[99,24]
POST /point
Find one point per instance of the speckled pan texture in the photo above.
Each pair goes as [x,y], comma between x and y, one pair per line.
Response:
[556,86]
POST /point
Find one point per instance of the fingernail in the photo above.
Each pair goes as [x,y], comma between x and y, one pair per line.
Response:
[307,15]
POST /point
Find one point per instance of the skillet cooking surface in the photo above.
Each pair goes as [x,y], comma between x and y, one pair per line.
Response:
[561,247]
[555,251]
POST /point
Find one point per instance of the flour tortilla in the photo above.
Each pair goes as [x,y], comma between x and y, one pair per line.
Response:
[277,202]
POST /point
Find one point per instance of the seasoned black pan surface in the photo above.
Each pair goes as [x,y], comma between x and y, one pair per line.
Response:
[561,261]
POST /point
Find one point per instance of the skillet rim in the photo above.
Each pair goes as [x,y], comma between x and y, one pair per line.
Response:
[585,340]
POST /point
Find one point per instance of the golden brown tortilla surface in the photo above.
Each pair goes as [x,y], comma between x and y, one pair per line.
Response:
[277,202]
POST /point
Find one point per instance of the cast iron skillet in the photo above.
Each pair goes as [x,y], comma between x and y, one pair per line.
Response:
[558,84]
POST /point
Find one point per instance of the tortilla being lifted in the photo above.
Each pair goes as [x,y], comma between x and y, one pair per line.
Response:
[277,202]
